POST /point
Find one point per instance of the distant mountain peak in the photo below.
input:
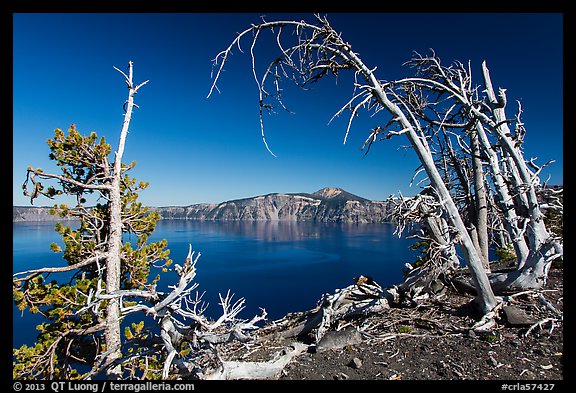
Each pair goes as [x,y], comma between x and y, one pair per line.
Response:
[337,193]
[329,192]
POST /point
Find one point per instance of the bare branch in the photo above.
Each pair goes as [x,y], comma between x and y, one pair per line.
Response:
[78,265]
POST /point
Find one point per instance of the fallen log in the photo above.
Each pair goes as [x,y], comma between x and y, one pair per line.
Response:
[271,369]
[362,298]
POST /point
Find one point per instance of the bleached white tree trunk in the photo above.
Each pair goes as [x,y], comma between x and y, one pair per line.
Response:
[512,174]
[272,369]
[486,299]
[536,230]
[503,198]
[473,199]
[112,331]
[480,200]
[543,249]
[440,230]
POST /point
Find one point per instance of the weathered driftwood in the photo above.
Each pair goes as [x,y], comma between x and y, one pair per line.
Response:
[532,276]
[422,283]
[271,369]
[362,298]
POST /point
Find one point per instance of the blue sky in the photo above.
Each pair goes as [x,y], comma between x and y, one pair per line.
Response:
[196,149]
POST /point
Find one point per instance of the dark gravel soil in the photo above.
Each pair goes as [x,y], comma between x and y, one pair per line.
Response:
[418,347]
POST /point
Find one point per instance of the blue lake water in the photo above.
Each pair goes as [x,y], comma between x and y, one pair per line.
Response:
[280,266]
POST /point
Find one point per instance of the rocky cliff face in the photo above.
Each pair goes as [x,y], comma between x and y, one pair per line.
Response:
[31,213]
[192,212]
[325,205]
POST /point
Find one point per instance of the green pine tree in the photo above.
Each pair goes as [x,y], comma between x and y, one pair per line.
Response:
[71,339]
[83,313]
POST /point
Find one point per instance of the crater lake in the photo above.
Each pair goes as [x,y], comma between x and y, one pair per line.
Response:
[281,266]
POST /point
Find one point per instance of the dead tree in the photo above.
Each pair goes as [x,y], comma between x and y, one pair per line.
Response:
[318,51]
[543,247]
[480,200]
[467,187]
[441,259]
[108,181]
[113,262]
[516,187]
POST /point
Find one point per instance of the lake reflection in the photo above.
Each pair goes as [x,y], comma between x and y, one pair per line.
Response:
[286,266]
